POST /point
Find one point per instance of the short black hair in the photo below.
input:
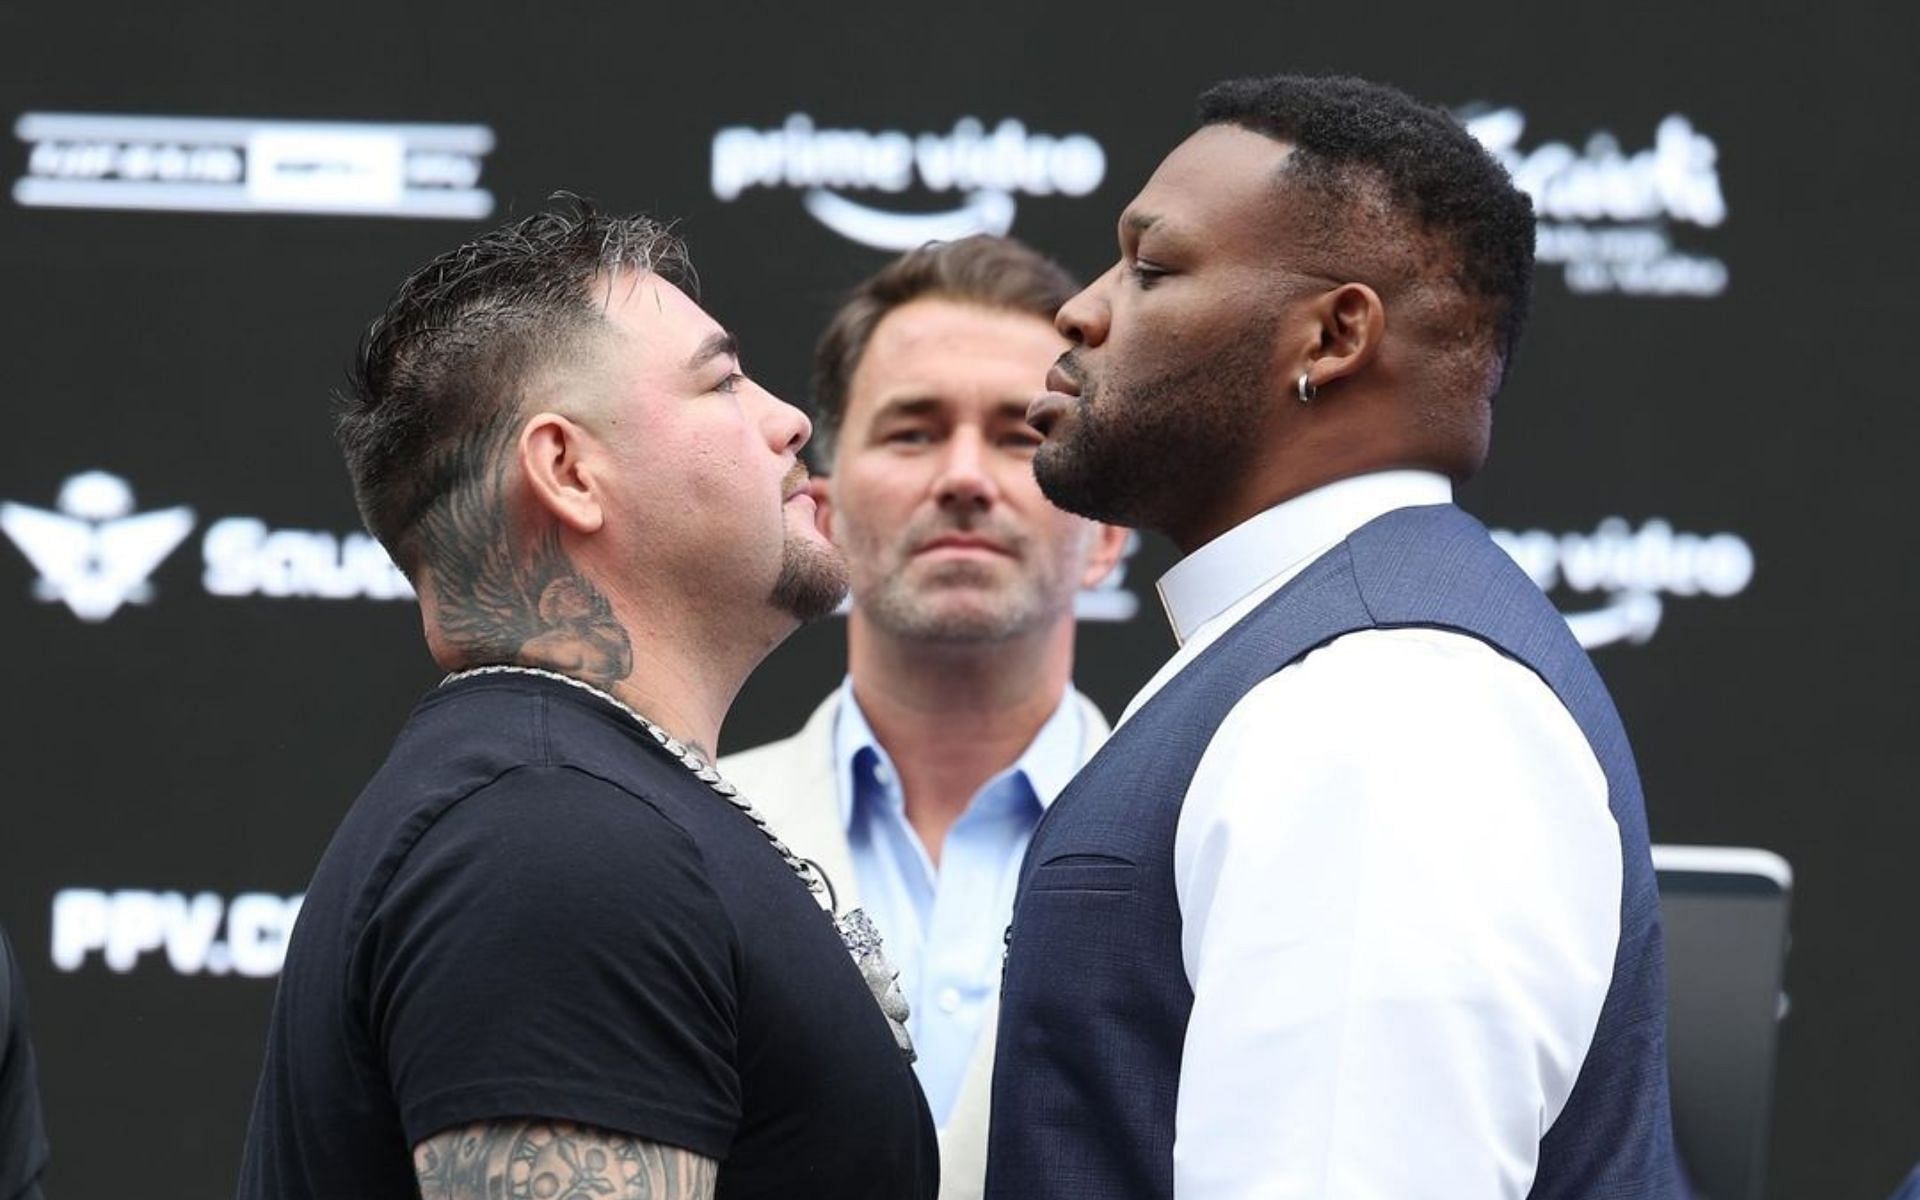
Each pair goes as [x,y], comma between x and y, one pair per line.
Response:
[994,272]
[1351,136]
[438,380]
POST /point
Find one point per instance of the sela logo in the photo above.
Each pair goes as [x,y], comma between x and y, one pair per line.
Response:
[986,169]
[124,925]
[1632,569]
[197,164]
[1607,216]
[96,554]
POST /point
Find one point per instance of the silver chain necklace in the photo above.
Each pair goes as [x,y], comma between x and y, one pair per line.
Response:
[857,930]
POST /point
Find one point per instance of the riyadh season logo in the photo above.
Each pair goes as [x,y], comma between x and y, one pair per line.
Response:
[984,170]
[197,164]
[125,925]
[1629,570]
[1608,216]
[94,553]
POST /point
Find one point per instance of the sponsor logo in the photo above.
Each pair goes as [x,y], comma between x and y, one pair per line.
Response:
[1608,217]
[198,164]
[985,169]
[1631,569]
[245,558]
[95,554]
[126,925]
[1109,599]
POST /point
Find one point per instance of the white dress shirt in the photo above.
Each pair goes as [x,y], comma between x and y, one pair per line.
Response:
[1399,884]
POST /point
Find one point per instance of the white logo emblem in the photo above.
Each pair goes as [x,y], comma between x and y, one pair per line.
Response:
[1607,216]
[1632,569]
[987,170]
[195,164]
[96,553]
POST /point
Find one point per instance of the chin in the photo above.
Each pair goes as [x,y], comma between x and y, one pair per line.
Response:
[812,580]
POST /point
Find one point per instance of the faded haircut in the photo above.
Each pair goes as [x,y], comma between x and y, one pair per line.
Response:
[439,380]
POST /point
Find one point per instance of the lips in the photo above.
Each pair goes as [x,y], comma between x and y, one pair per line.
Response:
[1063,389]
[1059,381]
[963,542]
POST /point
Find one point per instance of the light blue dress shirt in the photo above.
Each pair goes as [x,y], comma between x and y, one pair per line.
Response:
[945,927]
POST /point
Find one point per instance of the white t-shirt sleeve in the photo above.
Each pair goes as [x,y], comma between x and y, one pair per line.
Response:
[1400,888]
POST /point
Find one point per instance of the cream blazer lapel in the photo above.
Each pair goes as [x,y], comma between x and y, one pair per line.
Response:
[795,783]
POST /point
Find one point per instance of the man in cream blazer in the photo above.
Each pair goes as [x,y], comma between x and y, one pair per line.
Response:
[917,784]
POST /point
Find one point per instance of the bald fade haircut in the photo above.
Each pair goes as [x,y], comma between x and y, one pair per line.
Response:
[437,388]
[993,272]
[1400,191]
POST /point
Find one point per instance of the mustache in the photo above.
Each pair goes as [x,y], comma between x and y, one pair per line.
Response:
[1069,366]
[796,478]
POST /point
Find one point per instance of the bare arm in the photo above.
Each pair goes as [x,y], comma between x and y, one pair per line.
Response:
[556,1160]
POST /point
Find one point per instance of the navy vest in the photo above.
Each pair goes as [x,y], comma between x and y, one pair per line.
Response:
[1094,1005]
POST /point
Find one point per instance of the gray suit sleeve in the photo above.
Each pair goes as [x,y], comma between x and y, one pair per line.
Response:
[23,1134]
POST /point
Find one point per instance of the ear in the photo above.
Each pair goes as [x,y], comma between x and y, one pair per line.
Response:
[1109,546]
[557,461]
[820,487]
[1350,323]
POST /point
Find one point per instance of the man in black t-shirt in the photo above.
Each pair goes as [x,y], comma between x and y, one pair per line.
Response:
[548,953]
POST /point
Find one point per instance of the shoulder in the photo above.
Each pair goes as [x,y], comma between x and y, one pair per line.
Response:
[774,769]
[1404,706]
[545,852]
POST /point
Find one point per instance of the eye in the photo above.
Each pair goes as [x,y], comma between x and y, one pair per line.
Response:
[907,436]
[731,383]
[1026,439]
[1146,274]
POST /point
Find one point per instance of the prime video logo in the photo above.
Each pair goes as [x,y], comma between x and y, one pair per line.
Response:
[987,169]
[198,164]
[1631,569]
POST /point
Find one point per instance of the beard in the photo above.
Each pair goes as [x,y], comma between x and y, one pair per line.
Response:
[812,579]
[969,603]
[1156,451]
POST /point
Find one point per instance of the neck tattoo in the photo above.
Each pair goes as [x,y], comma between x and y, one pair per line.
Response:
[857,931]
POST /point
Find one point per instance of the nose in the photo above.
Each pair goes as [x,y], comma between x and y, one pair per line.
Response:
[787,428]
[965,480]
[1083,320]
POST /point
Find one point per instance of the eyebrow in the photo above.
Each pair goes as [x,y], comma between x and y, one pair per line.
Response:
[1138,222]
[907,406]
[719,345]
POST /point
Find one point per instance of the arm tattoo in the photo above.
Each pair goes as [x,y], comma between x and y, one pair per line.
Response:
[498,604]
[556,1160]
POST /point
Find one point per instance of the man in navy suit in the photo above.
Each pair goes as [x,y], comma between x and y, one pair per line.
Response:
[1357,901]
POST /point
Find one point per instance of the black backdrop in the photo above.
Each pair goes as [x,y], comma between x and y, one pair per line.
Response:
[1700,449]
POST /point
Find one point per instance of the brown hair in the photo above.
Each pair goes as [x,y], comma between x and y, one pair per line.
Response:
[995,272]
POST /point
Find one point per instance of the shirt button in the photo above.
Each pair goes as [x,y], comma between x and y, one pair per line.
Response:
[881,775]
[949,1000]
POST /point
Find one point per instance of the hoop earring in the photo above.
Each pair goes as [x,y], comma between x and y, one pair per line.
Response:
[1305,389]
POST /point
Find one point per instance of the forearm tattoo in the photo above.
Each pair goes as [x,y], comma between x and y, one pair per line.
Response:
[500,604]
[556,1160]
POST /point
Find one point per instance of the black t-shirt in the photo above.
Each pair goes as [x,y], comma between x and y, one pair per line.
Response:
[534,911]
[23,1140]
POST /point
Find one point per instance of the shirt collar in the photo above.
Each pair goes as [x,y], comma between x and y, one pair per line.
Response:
[1048,763]
[1285,537]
